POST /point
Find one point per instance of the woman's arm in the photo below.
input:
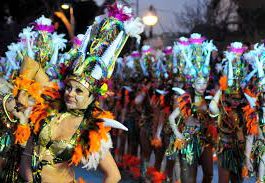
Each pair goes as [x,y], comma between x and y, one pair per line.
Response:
[110,169]
[173,124]
[249,143]
[32,70]
[26,160]
[214,109]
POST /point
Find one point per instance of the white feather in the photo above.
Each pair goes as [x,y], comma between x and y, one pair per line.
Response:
[250,75]
[162,92]
[178,90]
[58,44]
[59,41]
[110,52]
[114,124]
[97,72]
[43,21]
[128,88]
[251,100]
[143,67]
[11,59]
[130,62]
[134,28]
[208,48]
[85,41]
[92,161]
[80,37]
[208,97]
[230,56]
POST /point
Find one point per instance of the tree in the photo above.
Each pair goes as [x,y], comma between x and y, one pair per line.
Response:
[192,15]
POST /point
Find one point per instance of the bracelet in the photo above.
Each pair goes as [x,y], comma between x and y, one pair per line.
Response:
[4,106]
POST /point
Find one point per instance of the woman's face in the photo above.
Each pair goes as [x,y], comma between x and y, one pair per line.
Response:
[233,101]
[76,96]
[200,85]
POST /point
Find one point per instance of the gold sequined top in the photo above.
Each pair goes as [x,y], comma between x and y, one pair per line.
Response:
[49,148]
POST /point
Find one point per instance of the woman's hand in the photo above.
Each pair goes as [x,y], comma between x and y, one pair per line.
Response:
[249,144]
[173,125]
[23,98]
[249,164]
[23,116]
[213,107]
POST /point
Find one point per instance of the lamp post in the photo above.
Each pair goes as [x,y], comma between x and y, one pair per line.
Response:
[150,19]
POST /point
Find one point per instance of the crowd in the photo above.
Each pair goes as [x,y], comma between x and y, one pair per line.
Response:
[186,103]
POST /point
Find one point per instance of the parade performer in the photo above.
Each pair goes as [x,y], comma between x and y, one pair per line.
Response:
[227,104]
[142,101]
[192,137]
[52,138]
[254,113]
[161,107]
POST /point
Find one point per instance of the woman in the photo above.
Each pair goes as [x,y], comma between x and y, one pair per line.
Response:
[54,146]
[191,134]
[143,104]
[75,133]
[227,104]
[255,114]
[230,144]
[191,138]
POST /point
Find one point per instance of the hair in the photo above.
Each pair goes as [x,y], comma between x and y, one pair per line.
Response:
[89,110]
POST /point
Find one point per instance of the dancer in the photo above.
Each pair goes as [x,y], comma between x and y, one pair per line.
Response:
[254,113]
[142,101]
[227,105]
[75,133]
[191,139]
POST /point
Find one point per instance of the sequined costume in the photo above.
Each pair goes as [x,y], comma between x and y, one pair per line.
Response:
[51,156]
[228,103]
[193,123]
[230,146]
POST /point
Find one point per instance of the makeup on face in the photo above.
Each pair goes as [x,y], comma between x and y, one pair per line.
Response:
[200,85]
[76,96]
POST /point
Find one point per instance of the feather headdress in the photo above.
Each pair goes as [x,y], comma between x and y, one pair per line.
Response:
[192,56]
[99,52]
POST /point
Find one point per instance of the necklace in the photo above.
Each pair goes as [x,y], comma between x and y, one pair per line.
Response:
[77,112]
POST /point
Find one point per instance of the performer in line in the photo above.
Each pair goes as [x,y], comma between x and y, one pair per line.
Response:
[227,104]
[191,139]
[254,114]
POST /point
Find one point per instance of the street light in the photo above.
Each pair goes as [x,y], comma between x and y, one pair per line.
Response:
[65,6]
[150,19]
